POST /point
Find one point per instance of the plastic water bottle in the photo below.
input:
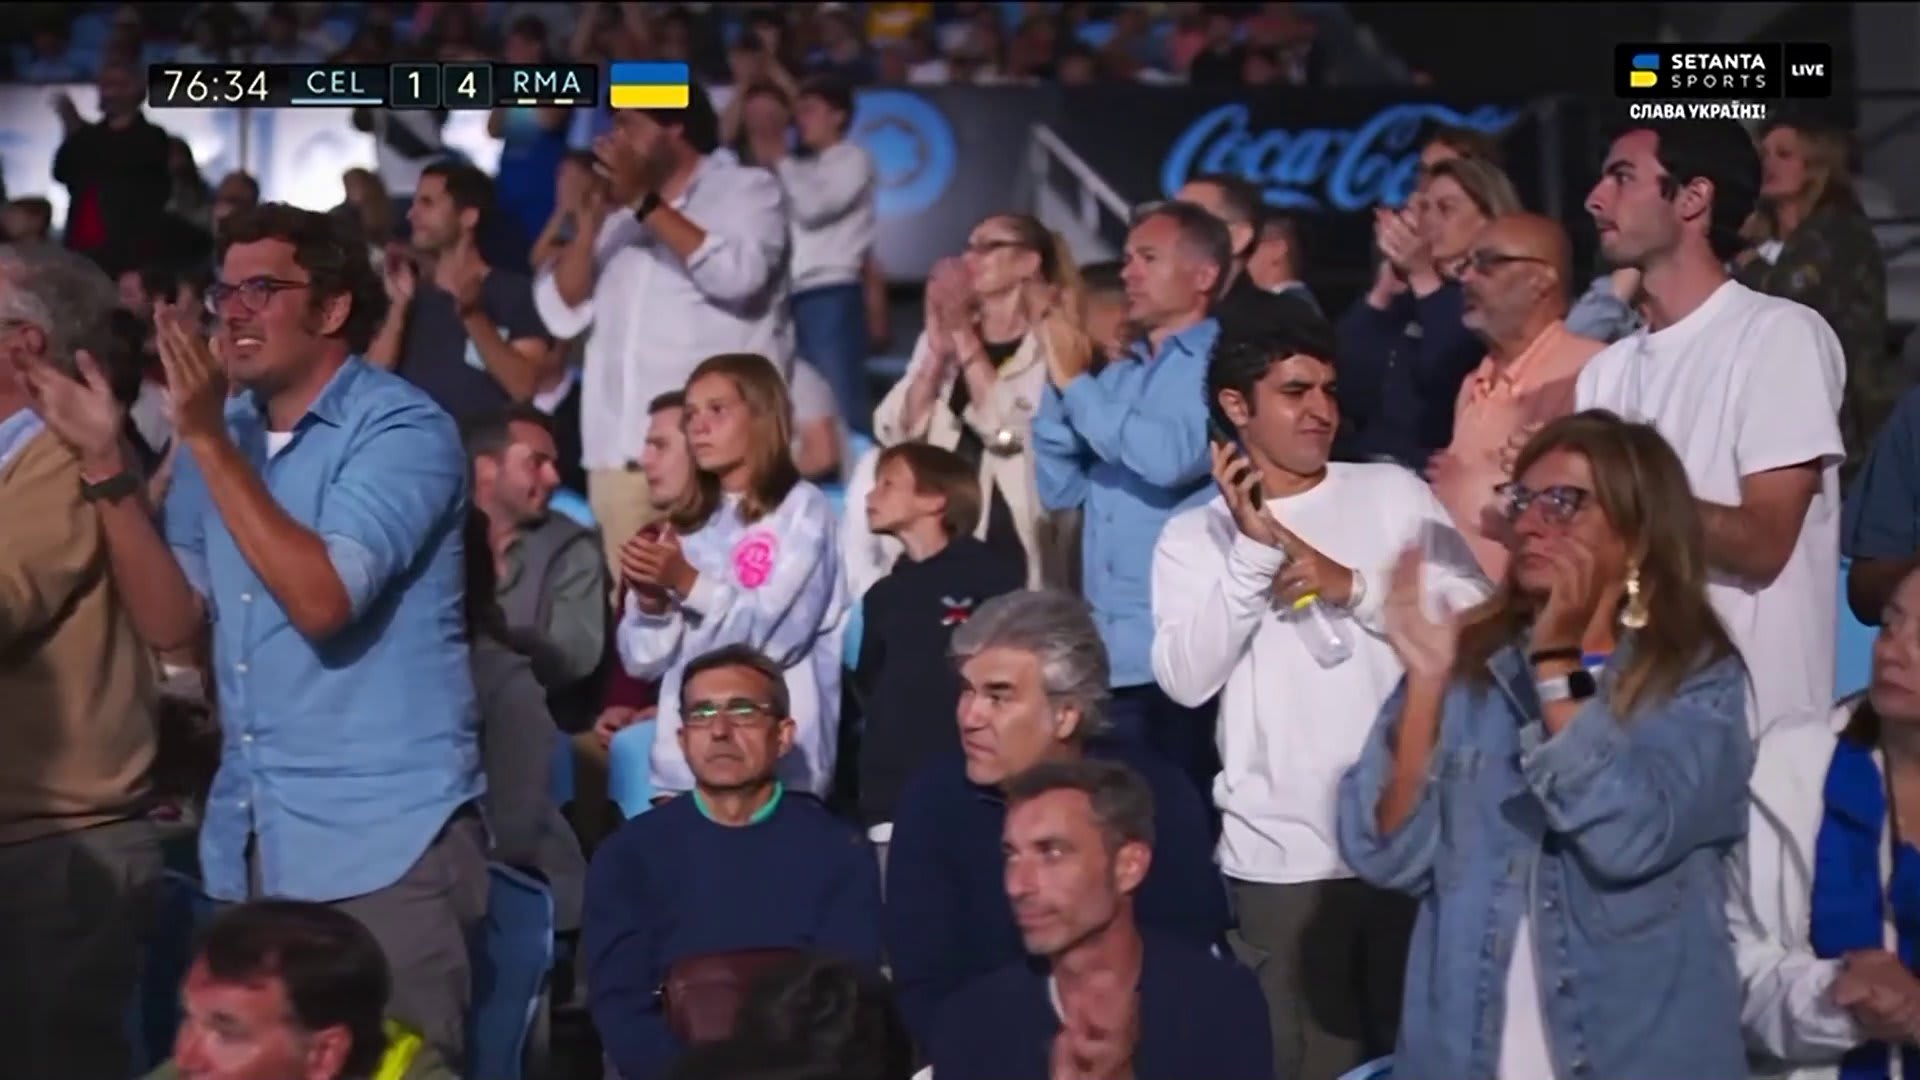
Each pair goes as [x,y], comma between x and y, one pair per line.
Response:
[1321,631]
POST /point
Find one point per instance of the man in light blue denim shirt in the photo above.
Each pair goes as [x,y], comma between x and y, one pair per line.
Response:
[314,529]
[1129,445]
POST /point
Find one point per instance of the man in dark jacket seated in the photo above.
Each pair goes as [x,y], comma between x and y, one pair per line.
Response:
[1033,677]
[738,864]
[1100,997]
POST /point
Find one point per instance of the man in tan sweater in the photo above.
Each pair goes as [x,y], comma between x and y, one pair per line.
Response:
[79,864]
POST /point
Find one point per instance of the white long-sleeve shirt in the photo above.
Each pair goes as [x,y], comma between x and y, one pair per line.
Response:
[1288,727]
[775,584]
[830,198]
[654,318]
[1792,1026]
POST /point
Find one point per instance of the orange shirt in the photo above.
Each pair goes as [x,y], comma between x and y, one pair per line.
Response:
[1498,408]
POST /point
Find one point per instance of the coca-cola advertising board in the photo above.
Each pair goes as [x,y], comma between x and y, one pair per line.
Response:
[947,156]
[1328,157]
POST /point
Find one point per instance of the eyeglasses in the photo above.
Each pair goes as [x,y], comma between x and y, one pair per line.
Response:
[253,292]
[1486,262]
[736,712]
[1558,503]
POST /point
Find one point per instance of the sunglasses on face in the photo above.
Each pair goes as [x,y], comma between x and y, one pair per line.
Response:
[734,712]
[1558,503]
[253,293]
[1486,262]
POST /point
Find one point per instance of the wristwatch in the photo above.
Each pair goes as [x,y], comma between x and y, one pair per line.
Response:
[646,206]
[112,489]
[1576,685]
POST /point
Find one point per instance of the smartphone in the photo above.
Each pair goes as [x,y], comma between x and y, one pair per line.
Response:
[1221,435]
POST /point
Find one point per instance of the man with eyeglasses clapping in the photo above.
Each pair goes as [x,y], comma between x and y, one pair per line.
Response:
[313,531]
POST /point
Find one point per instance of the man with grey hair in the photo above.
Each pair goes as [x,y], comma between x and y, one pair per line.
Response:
[1128,446]
[1034,680]
[78,858]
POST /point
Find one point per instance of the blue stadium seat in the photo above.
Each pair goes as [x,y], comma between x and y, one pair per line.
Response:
[511,963]
[153,1016]
[1377,1069]
[574,505]
[1852,647]
[630,768]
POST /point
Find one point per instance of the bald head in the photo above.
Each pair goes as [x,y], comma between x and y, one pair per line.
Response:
[1517,275]
[1534,237]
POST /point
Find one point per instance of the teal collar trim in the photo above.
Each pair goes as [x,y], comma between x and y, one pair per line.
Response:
[759,815]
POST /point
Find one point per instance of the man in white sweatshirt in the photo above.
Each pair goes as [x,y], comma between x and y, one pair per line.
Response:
[1238,585]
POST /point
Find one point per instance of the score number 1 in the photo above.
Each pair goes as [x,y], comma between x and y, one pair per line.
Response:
[414,86]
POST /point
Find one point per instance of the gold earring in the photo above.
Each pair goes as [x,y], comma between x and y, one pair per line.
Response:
[1634,616]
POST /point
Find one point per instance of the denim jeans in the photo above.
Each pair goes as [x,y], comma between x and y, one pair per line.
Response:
[830,327]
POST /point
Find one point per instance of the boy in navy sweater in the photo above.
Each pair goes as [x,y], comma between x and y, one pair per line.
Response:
[1034,676]
[929,499]
[1108,999]
[737,864]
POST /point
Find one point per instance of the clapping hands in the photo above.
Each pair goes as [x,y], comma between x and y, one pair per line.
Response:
[1401,241]
[1426,645]
[653,564]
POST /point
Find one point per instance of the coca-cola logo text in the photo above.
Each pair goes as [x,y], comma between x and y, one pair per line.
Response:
[1344,170]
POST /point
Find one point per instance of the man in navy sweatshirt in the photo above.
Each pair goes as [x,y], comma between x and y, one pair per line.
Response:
[1106,997]
[740,863]
[1033,676]
[929,499]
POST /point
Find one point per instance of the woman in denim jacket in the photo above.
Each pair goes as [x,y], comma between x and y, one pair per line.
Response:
[1558,778]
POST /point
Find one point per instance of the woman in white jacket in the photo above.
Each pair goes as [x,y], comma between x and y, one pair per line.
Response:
[976,376]
[751,556]
[1824,900]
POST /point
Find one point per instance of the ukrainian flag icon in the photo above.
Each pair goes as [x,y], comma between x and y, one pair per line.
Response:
[1645,73]
[649,85]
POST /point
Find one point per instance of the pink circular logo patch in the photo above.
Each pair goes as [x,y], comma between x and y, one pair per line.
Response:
[753,558]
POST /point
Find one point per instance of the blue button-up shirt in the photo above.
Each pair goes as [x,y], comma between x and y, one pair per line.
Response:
[341,758]
[16,432]
[1130,445]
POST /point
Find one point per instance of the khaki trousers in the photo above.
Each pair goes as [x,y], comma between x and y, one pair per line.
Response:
[620,506]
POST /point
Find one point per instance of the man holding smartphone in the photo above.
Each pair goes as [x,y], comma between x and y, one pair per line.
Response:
[1292,537]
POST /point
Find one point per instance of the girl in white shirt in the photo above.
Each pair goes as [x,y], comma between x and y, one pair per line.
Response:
[749,555]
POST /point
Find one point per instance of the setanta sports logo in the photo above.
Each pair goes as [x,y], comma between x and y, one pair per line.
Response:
[1739,82]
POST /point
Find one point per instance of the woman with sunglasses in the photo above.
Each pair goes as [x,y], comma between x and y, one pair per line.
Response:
[1558,779]
[975,379]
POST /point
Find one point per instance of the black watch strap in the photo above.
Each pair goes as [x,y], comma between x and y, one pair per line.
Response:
[112,489]
[647,205]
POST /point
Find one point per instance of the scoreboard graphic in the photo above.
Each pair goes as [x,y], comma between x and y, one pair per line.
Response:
[386,86]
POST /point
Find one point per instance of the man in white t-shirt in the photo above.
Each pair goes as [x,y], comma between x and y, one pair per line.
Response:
[1232,582]
[1745,386]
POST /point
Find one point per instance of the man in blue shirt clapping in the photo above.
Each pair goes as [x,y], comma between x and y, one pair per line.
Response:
[1129,445]
[313,530]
